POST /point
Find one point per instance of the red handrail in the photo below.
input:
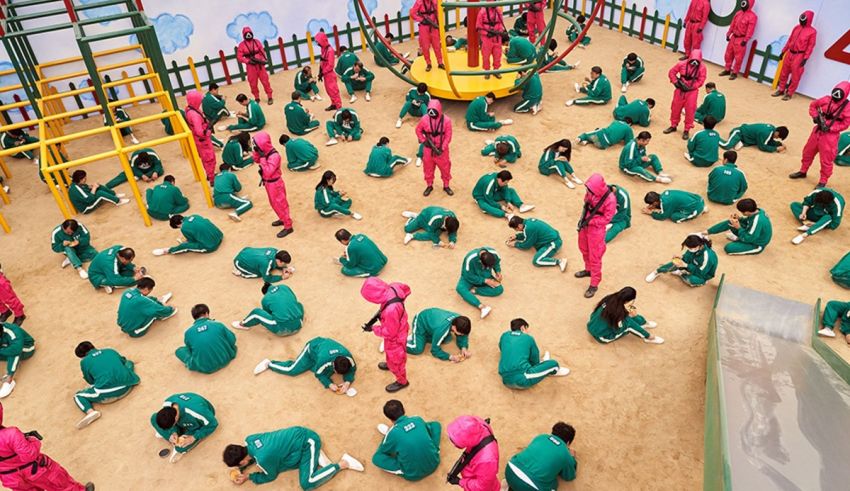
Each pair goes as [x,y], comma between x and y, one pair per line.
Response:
[572,45]
[381,38]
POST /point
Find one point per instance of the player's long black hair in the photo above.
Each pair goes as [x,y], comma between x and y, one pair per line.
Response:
[695,240]
[567,154]
[614,305]
[327,177]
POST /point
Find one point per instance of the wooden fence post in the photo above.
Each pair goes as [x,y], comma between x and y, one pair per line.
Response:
[751,56]
[642,24]
[223,60]
[282,53]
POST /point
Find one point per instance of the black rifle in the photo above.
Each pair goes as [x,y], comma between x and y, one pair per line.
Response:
[430,144]
[375,318]
[466,457]
[588,213]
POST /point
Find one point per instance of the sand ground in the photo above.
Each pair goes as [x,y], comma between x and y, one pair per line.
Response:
[638,408]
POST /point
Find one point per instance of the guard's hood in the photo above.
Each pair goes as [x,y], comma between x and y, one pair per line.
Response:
[322,39]
[247,30]
[810,17]
[596,188]
[435,105]
[695,55]
[264,142]
[466,431]
[841,91]
[376,290]
[194,98]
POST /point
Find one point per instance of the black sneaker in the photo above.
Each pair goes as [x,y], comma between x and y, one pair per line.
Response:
[797,175]
[669,129]
[820,185]
[271,101]
[582,274]
[395,387]
[427,191]
[89,486]
[383,366]
[19,321]
[733,76]
[449,191]
[497,75]
[441,66]
[428,68]
[283,233]
[686,135]
[330,108]
[257,100]
[590,292]
[277,223]
[5,315]
[724,73]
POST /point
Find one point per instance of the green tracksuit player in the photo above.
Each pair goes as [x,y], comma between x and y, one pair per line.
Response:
[250,118]
[280,312]
[748,232]
[437,326]
[237,151]
[479,117]
[532,94]
[492,190]
[137,310]
[481,274]
[504,148]
[361,257]
[381,161]
[678,206]
[208,345]
[520,51]
[537,234]
[704,145]
[713,104]
[260,262]
[766,137]
[301,155]
[547,458]
[200,234]
[820,209]
[73,239]
[836,310]
[165,199]
[345,124]
[113,268]
[433,221]
[727,183]
[415,103]
[224,193]
[110,377]
[639,110]
[305,84]
[614,133]
[596,89]
[324,357]
[519,363]
[623,218]
[411,446]
[299,121]
[635,162]
[146,166]
[183,421]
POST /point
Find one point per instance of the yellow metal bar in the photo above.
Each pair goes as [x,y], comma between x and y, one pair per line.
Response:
[14,105]
[77,136]
[153,143]
[195,161]
[128,171]
[10,88]
[8,71]
[3,196]
[622,15]
[23,148]
[83,160]
[50,177]
[71,114]
[83,73]
[127,80]
[4,224]
[143,97]
[96,54]
[362,40]
[4,168]
[70,93]
[310,48]
[194,73]
[144,119]
[442,29]
[412,27]
[778,71]
[129,85]
[666,30]
[15,126]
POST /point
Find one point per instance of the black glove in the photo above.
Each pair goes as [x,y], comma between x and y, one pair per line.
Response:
[699,31]
[367,327]
[743,43]
[321,77]
[816,120]
[728,39]
[803,63]
[454,480]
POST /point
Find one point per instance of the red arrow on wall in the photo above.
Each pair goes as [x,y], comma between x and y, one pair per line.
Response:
[838,51]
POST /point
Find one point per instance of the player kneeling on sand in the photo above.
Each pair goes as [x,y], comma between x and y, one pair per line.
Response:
[280,312]
[616,315]
[325,358]
[536,233]
[110,377]
[411,447]
[696,266]
[278,451]
[437,326]
[543,461]
[433,221]
[184,420]
[520,365]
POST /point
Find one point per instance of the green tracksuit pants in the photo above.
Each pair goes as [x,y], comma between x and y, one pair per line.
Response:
[264,318]
[642,172]
[615,230]
[80,254]
[91,395]
[336,130]
[530,377]
[835,310]
[239,205]
[689,279]
[464,289]
[820,221]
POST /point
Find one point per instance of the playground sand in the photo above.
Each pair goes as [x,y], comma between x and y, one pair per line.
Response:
[637,408]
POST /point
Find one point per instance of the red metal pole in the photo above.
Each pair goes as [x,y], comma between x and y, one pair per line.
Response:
[336,38]
[601,12]
[139,6]
[386,24]
[282,53]
[746,73]
[69,6]
[24,113]
[642,24]
[472,43]
[226,70]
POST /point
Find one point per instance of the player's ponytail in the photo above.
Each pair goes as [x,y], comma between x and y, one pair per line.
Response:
[696,240]
[614,306]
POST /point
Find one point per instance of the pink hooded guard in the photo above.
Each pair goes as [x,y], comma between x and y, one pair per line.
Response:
[250,48]
[481,474]
[690,76]
[393,326]
[596,189]
[269,160]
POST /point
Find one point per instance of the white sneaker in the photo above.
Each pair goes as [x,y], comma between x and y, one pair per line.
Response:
[160,252]
[798,239]
[570,103]
[489,142]
[381,347]
[569,183]
[508,216]
[731,237]
[801,228]
[134,139]
[664,179]
[525,208]
[486,311]
[83,273]
[262,366]
[407,162]
[398,123]
[546,356]
[324,461]
[318,97]
[233,216]
[826,332]
[65,263]
[562,263]
[107,289]
[120,195]
[562,372]
[577,180]
[356,216]
[122,202]
[535,109]
[739,145]
[651,276]
[654,340]
[368,97]
[331,142]
[353,463]
[408,214]
[36,161]
[651,324]
[236,272]
[7,389]
[165,298]
[507,122]
[624,88]
[353,98]
[383,429]
[407,238]
[238,325]
[577,87]
[418,162]
[705,209]
[687,156]
[88,419]
[176,456]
